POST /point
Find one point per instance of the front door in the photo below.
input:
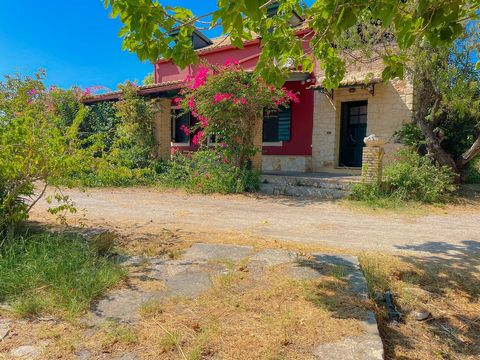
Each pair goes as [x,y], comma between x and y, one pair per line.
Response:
[353,131]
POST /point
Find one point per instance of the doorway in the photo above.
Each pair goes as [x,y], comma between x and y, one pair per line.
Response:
[353,130]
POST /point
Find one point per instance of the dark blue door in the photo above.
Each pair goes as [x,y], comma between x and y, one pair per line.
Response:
[353,130]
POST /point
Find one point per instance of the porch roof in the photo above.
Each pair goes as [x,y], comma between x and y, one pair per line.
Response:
[142,90]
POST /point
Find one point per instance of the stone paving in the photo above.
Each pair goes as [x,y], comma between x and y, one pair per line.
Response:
[190,276]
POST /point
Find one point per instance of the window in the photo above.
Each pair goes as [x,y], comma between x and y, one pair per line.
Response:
[180,119]
[277,125]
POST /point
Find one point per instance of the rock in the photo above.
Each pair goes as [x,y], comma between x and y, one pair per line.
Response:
[421,315]
[26,352]
[188,284]
[83,354]
[4,329]
[205,252]
[274,256]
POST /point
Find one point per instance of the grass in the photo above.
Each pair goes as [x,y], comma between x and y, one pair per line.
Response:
[269,317]
[53,274]
[449,289]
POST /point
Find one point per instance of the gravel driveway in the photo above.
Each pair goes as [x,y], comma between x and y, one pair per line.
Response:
[137,210]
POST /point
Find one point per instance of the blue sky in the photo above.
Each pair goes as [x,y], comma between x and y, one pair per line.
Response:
[75,41]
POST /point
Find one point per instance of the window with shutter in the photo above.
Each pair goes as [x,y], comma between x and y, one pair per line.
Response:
[277,125]
[178,120]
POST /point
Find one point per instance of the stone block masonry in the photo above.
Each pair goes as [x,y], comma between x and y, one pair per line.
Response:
[162,127]
[372,164]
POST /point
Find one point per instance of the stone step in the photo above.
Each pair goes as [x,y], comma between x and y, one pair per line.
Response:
[335,183]
[294,190]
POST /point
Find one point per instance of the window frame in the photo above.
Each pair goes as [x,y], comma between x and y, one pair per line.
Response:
[173,124]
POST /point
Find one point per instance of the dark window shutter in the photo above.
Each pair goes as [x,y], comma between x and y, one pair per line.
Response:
[178,120]
[270,126]
[284,124]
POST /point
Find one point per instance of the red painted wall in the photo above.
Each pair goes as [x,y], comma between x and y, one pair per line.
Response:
[302,124]
[302,113]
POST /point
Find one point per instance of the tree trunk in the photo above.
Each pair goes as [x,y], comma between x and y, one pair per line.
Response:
[428,102]
[469,154]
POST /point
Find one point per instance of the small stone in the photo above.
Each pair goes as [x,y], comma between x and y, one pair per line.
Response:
[4,330]
[421,315]
[26,352]
[83,354]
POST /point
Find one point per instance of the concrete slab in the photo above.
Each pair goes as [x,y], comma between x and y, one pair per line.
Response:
[205,252]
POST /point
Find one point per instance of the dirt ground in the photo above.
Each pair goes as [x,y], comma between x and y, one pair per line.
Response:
[428,256]
[143,212]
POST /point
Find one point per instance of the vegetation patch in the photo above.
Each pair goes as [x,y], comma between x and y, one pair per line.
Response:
[448,289]
[53,274]
[411,178]
[269,317]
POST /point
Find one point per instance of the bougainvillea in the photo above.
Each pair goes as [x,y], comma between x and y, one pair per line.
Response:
[228,103]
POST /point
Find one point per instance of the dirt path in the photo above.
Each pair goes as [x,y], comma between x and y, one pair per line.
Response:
[138,211]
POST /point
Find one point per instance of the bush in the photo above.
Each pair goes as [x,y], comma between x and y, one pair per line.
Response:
[47,273]
[208,171]
[34,147]
[472,174]
[410,178]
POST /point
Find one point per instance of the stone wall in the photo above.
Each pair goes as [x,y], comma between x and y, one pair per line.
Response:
[389,108]
[286,163]
[257,142]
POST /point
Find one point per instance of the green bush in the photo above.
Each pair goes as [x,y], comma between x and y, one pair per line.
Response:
[47,273]
[410,178]
[472,174]
[207,171]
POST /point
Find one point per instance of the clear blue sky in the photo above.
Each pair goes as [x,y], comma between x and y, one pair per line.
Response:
[75,41]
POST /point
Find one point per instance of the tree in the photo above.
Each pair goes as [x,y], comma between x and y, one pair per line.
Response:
[34,146]
[149,79]
[153,30]
[447,110]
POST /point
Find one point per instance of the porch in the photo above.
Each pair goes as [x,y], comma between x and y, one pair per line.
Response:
[323,185]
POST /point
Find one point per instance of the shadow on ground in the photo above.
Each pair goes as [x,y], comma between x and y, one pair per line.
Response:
[451,275]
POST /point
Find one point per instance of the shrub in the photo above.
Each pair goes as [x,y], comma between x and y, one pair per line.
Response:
[118,140]
[410,178]
[45,273]
[228,102]
[472,173]
[208,171]
[34,146]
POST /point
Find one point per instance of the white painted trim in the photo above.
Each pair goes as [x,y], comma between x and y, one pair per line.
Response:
[185,144]
[273,143]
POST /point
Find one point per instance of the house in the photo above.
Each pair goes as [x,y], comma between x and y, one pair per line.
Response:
[322,133]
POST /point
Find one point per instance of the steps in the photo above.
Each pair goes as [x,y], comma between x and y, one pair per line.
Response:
[321,185]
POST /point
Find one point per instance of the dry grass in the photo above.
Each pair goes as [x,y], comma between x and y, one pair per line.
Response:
[447,288]
[272,317]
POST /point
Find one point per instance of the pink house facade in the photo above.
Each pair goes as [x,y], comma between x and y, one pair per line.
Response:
[324,132]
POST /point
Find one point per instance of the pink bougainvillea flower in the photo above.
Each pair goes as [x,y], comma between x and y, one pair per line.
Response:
[230,62]
[200,78]
[243,101]
[222,96]
[197,138]
[191,103]
[291,95]
[32,92]
[218,97]
[185,130]
[203,120]
[177,100]
[87,91]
